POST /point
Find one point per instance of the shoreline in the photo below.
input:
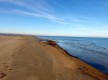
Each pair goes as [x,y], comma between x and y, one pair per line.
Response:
[28,58]
[54,43]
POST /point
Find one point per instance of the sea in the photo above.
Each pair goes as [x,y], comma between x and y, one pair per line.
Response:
[93,51]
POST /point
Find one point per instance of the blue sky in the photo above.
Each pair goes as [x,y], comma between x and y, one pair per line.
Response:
[87,18]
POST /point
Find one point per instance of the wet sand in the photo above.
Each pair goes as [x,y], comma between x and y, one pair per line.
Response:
[26,58]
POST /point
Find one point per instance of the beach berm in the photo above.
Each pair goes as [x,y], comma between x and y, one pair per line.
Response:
[27,58]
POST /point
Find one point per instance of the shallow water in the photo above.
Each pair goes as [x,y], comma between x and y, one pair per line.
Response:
[93,51]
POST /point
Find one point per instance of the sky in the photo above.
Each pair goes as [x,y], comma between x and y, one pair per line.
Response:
[83,18]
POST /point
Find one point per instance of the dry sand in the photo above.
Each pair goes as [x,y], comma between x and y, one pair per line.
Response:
[26,58]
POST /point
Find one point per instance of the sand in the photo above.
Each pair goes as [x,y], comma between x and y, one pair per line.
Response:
[26,58]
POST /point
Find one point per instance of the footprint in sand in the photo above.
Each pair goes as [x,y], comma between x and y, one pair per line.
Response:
[2,75]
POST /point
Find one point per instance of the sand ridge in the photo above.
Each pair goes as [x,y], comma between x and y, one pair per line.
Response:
[26,58]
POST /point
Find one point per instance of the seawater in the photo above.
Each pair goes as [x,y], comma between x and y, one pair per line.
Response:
[93,51]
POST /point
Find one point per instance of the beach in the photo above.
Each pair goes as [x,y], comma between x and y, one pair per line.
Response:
[27,58]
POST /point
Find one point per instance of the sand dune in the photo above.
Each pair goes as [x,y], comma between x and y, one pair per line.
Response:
[26,58]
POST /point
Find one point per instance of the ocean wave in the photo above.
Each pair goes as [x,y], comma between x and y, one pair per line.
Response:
[87,46]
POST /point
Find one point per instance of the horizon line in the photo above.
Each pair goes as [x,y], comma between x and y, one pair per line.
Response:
[10,33]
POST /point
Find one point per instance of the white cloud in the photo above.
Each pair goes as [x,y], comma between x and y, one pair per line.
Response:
[40,8]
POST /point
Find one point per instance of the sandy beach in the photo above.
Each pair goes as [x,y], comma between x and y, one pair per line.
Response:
[27,58]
